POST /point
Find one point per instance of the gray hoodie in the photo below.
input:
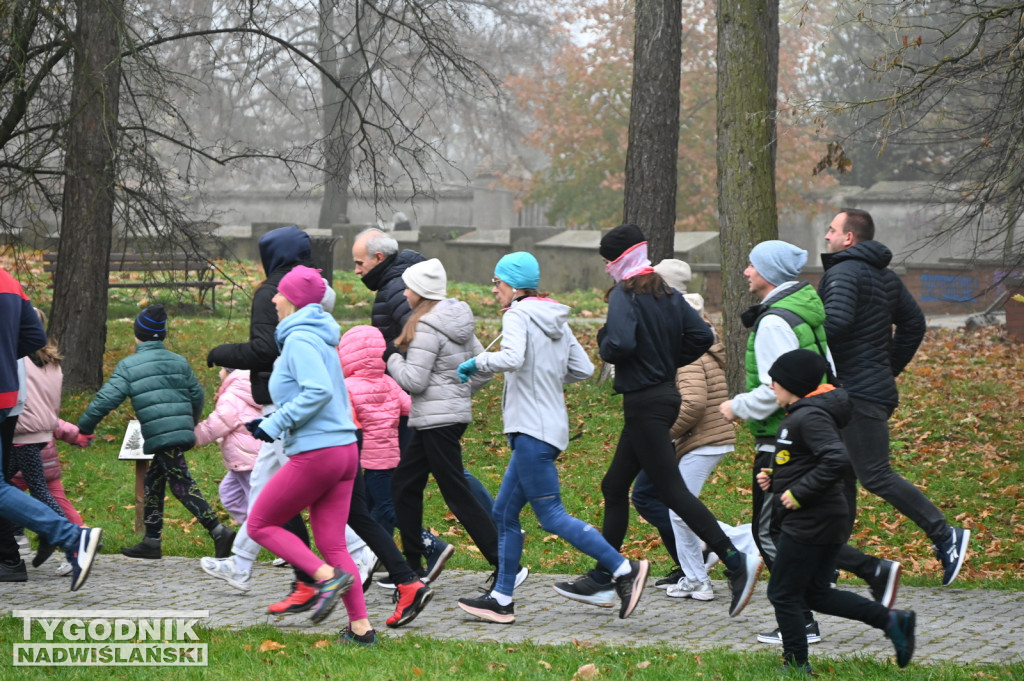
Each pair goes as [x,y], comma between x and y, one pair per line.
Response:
[538,355]
[444,339]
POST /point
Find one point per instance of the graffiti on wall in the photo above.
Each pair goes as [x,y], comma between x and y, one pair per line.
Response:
[944,287]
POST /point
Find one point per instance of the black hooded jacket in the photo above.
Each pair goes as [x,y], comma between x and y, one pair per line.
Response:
[811,462]
[280,250]
[864,299]
[390,308]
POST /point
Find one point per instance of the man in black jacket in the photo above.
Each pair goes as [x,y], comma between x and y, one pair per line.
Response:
[380,264]
[864,300]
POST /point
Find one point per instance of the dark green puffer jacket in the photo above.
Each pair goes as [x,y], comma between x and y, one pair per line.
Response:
[166,397]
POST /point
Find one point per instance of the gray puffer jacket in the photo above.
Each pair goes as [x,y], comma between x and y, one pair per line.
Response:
[444,339]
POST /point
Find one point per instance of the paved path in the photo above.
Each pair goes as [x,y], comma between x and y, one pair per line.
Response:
[962,625]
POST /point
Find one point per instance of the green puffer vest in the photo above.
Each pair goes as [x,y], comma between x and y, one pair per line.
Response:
[166,397]
[810,333]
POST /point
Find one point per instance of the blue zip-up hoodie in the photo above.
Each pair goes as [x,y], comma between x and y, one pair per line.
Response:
[313,410]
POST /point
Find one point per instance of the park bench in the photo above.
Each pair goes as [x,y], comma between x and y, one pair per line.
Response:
[184,271]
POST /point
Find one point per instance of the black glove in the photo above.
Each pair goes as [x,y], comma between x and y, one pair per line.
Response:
[254,428]
[390,349]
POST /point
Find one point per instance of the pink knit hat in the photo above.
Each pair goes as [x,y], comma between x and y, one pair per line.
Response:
[302,286]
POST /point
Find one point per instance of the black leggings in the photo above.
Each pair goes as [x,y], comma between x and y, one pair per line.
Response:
[26,458]
[645,444]
[169,467]
[438,451]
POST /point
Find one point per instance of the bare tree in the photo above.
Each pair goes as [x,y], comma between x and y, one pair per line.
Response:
[748,58]
[89,176]
[653,152]
[950,85]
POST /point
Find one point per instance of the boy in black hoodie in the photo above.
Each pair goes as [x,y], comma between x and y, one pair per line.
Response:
[810,514]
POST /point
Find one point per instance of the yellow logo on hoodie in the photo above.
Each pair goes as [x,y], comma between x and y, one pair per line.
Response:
[782,457]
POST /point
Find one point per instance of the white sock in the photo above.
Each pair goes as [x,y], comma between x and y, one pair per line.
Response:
[501,598]
[624,569]
[242,564]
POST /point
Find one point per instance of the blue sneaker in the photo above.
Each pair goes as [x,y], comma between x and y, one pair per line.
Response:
[439,553]
[84,555]
[900,631]
[328,591]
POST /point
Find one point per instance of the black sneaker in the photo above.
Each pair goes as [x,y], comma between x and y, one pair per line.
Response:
[900,631]
[631,587]
[13,571]
[952,553]
[588,590]
[147,548]
[671,578]
[440,552]
[775,637]
[43,553]
[521,574]
[742,582]
[886,582]
[350,637]
[223,539]
[486,608]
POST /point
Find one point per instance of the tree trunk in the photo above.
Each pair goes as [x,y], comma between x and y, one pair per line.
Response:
[78,320]
[653,152]
[748,70]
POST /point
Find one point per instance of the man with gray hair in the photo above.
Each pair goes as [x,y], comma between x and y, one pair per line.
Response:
[380,264]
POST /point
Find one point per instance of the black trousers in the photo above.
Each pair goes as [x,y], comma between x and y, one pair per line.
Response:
[376,537]
[802,573]
[645,445]
[438,451]
[8,547]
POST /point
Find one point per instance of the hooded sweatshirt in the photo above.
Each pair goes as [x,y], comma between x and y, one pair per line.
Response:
[280,250]
[538,355]
[307,385]
[443,340]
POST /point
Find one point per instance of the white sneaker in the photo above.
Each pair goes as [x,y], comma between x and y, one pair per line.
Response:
[367,563]
[279,562]
[224,568]
[63,569]
[521,576]
[24,545]
[691,588]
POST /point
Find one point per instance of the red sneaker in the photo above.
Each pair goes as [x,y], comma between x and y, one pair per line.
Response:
[412,598]
[301,599]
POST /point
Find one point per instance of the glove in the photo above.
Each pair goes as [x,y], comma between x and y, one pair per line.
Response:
[467,369]
[389,349]
[210,363]
[84,441]
[254,428]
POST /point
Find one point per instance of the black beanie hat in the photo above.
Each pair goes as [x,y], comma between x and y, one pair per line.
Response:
[619,240]
[799,371]
[151,324]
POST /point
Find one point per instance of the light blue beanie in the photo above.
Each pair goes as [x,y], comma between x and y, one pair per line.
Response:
[519,270]
[777,261]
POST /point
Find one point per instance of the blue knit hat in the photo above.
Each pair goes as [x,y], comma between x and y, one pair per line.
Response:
[519,270]
[777,261]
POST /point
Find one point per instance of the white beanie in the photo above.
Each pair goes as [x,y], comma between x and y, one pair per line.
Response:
[676,273]
[427,279]
[330,297]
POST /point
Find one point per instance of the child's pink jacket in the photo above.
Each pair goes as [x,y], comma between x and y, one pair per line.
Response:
[235,406]
[376,398]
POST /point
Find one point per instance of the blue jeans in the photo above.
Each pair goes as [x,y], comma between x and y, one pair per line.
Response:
[378,497]
[20,509]
[531,477]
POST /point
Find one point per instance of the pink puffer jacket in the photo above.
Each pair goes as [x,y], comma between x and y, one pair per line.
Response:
[377,399]
[226,424]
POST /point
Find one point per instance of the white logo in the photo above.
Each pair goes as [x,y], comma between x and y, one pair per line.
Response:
[110,638]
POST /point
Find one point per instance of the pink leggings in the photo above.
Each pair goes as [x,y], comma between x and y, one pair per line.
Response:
[320,480]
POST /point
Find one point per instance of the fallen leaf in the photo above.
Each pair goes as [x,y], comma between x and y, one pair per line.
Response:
[643,665]
[270,645]
[321,644]
[587,671]
[546,665]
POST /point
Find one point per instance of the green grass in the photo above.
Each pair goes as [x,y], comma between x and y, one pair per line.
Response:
[265,652]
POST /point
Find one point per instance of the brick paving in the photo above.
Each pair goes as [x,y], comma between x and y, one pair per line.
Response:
[954,624]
